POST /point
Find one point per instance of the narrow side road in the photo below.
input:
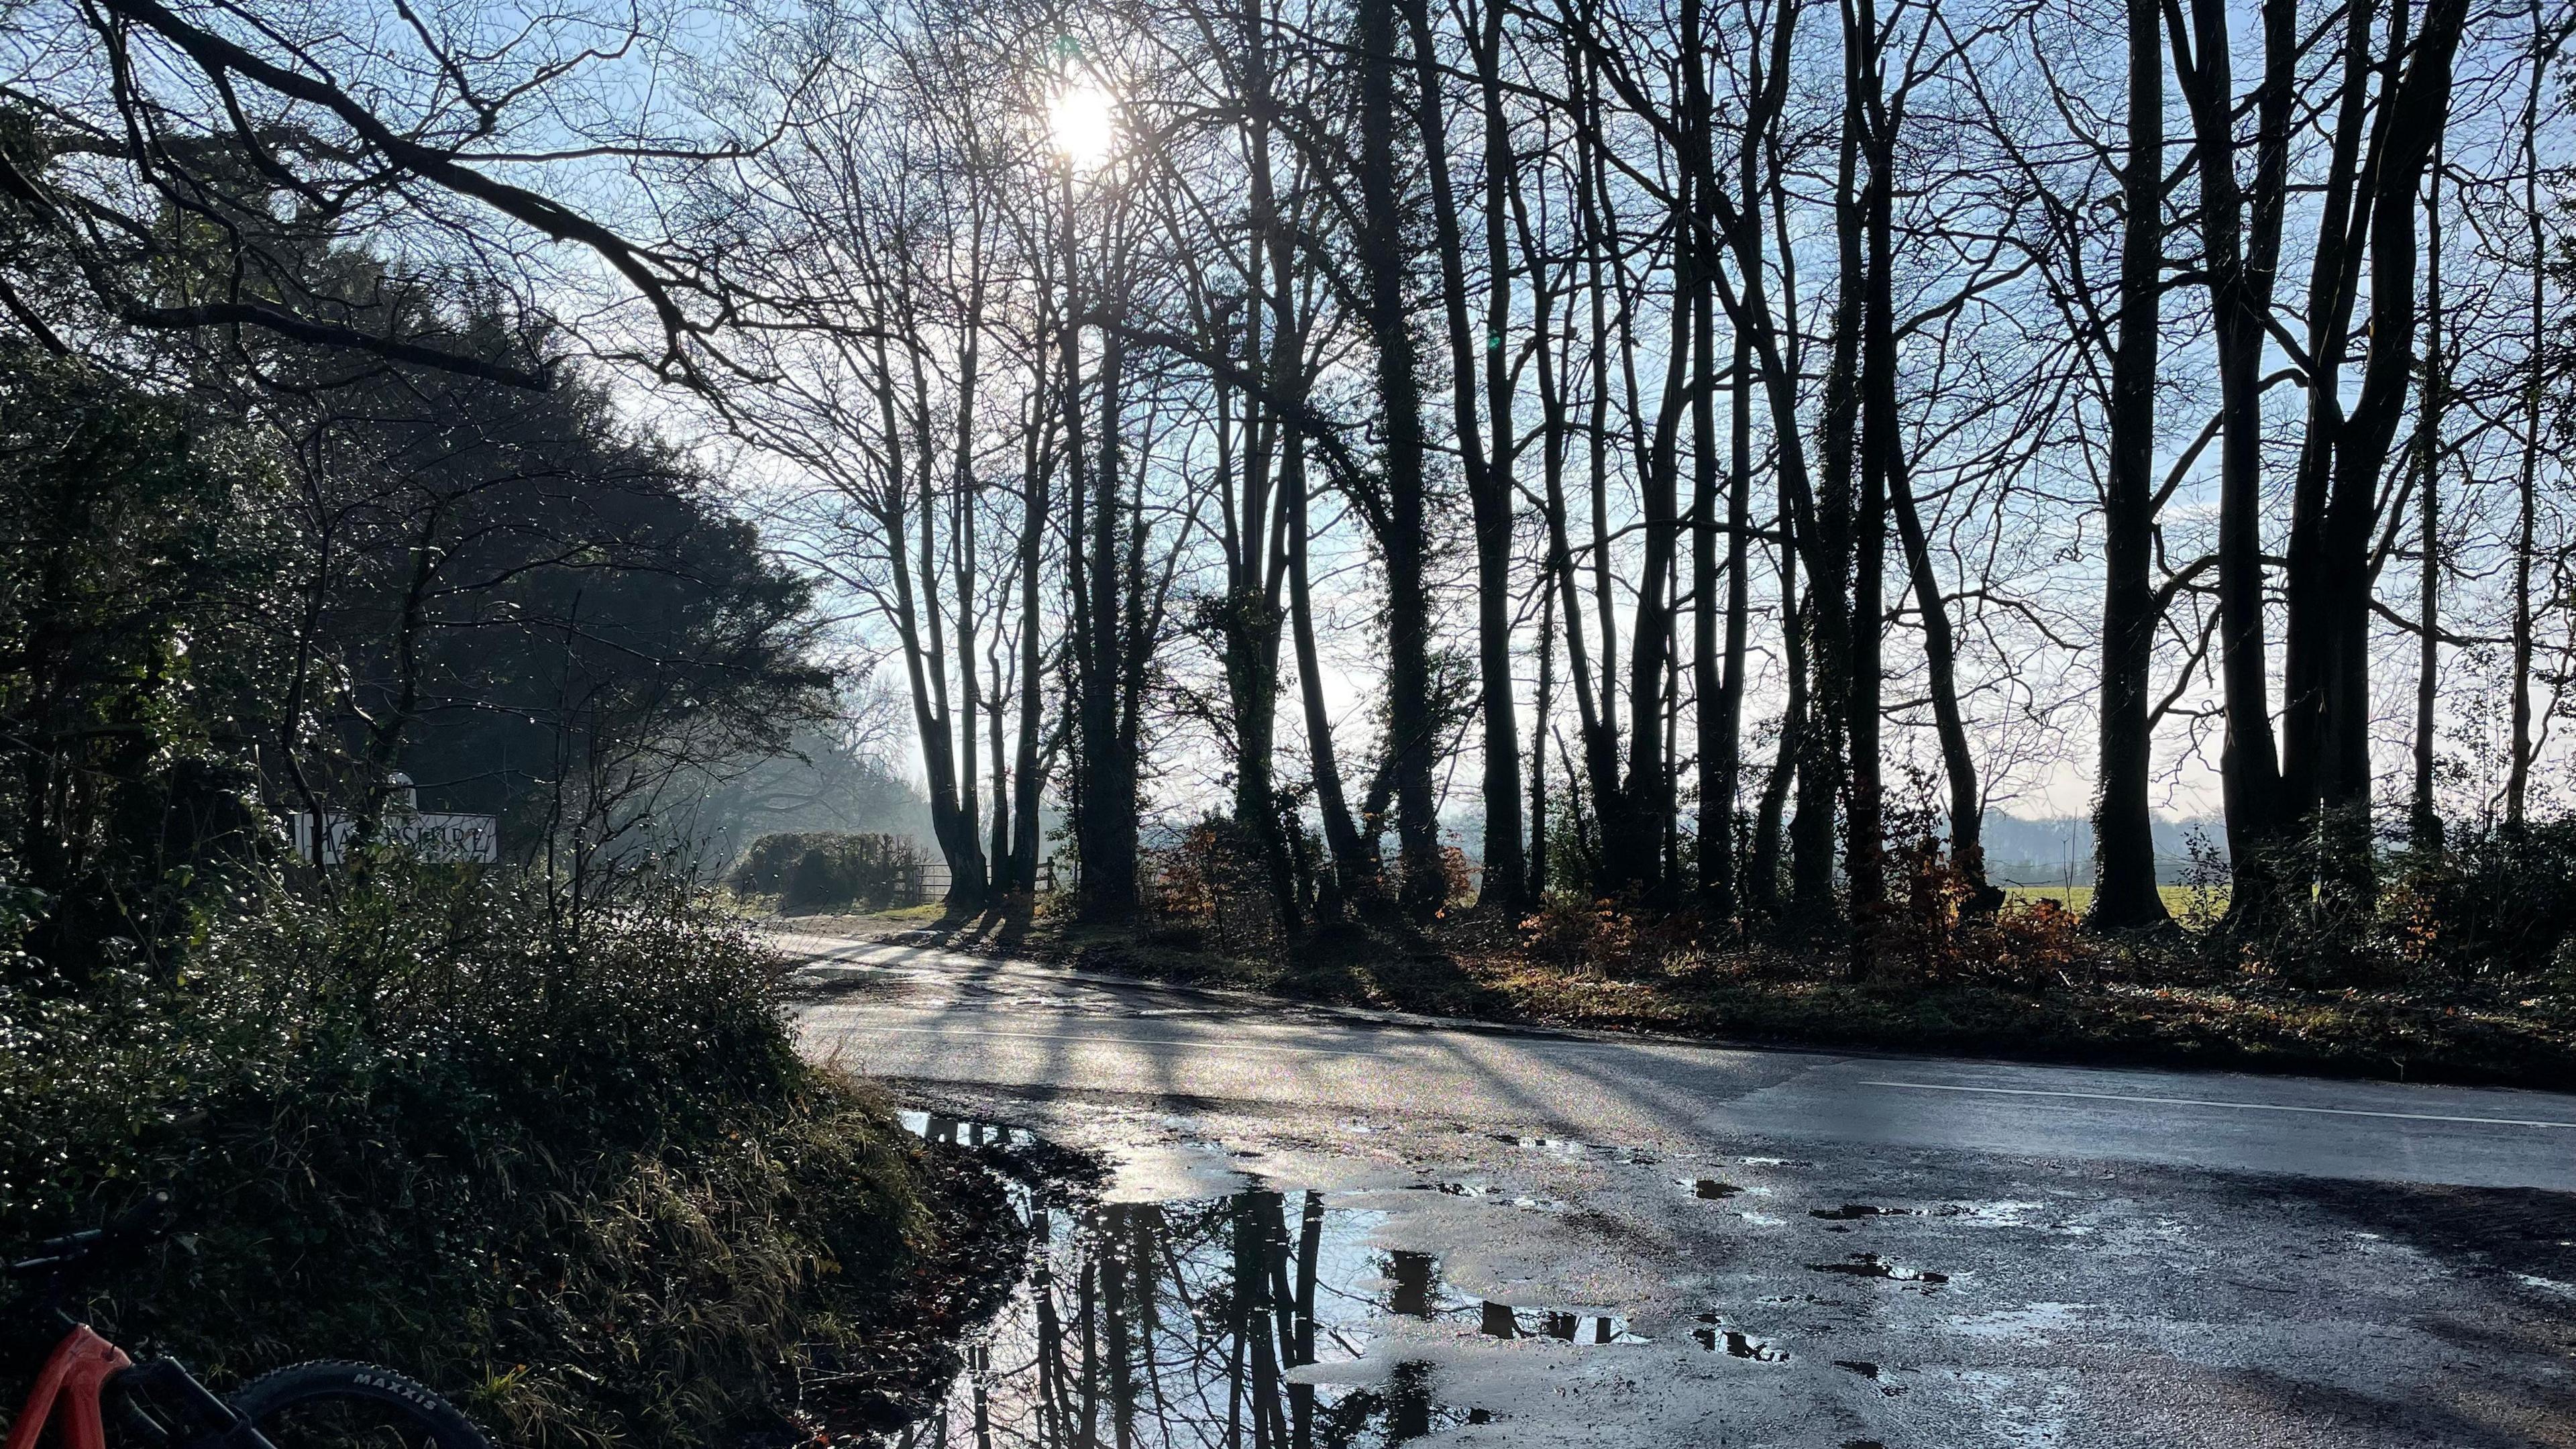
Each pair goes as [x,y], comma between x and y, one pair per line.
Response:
[1559,1239]
[917,1012]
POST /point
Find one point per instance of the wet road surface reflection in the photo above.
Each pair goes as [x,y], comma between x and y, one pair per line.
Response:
[1923,1304]
[963,1132]
[1205,1321]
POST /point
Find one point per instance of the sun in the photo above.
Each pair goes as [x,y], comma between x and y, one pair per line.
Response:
[1083,122]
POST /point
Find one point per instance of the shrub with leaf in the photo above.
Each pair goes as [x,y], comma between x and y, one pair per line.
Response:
[821,870]
[1211,888]
[584,1184]
[2500,899]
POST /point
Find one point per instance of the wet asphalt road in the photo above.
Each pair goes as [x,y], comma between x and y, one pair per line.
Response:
[2077,1256]
[914,1012]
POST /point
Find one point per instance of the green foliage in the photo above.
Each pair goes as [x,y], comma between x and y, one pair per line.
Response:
[2490,914]
[819,870]
[2499,899]
[125,565]
[282,595]
[535,604]
[583,1182]
[537,1138]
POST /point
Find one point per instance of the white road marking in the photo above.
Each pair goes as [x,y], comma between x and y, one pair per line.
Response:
[2238,1106]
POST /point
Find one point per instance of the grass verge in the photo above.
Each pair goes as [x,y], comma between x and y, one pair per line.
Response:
[578,1179]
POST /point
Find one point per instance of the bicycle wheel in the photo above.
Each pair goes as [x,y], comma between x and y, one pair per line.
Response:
[352,1406]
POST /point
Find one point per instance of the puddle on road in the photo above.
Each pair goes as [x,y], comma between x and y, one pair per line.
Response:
[1490,1194]
[1557,1145]
[1859,1211]
[1712,1189]
[1189,1322]
[1871,1265]
[1735,1342]
[1501,1320]
[964,1132]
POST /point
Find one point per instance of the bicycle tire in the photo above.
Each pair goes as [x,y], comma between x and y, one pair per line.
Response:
[336,1404]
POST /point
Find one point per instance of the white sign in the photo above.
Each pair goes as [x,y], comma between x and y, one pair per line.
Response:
[447,839]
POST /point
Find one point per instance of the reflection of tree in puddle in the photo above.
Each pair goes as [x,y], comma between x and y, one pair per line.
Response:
[1184,1324]
[964,1132]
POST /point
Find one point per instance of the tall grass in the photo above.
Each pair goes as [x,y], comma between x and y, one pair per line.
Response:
[582,1183]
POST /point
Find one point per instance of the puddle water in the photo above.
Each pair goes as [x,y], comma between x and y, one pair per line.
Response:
[1855,1211]
[1712,1189]
[1870,1265]
[1501,1320]
[1190,1322]
[1736,1343]
[940,1127]
[1483,1190]
[1557,1145]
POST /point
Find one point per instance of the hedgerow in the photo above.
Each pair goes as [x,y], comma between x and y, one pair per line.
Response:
[577,1178]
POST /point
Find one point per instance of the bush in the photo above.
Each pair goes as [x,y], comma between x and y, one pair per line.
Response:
[827,869]
[579,1179]
[1597,935]
[2496,903]
[1936,929]
[2498,900]
[1212,888]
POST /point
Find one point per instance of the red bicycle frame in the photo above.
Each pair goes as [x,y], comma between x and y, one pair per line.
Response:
[80,1364]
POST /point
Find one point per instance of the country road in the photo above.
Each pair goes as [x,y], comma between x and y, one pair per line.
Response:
[2016,1254]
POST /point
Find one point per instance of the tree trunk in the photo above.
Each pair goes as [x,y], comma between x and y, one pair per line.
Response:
[1949,724]
[1866,832]
[1355,863]
[1422,885]
[1002,856]
[2240,234]
[1588,706]
[2308,584]
[1488,495]
[2424,820]
[916,621]
[1105,805]
[1821,761]
[1601,727]
[2412,122]
[2517,784]
[2125,897]
[1716,882]
[971,885]
[1538,855]
[1724,736]
[1763,867]
[1634,834]
[1029,788]
[1507,879]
